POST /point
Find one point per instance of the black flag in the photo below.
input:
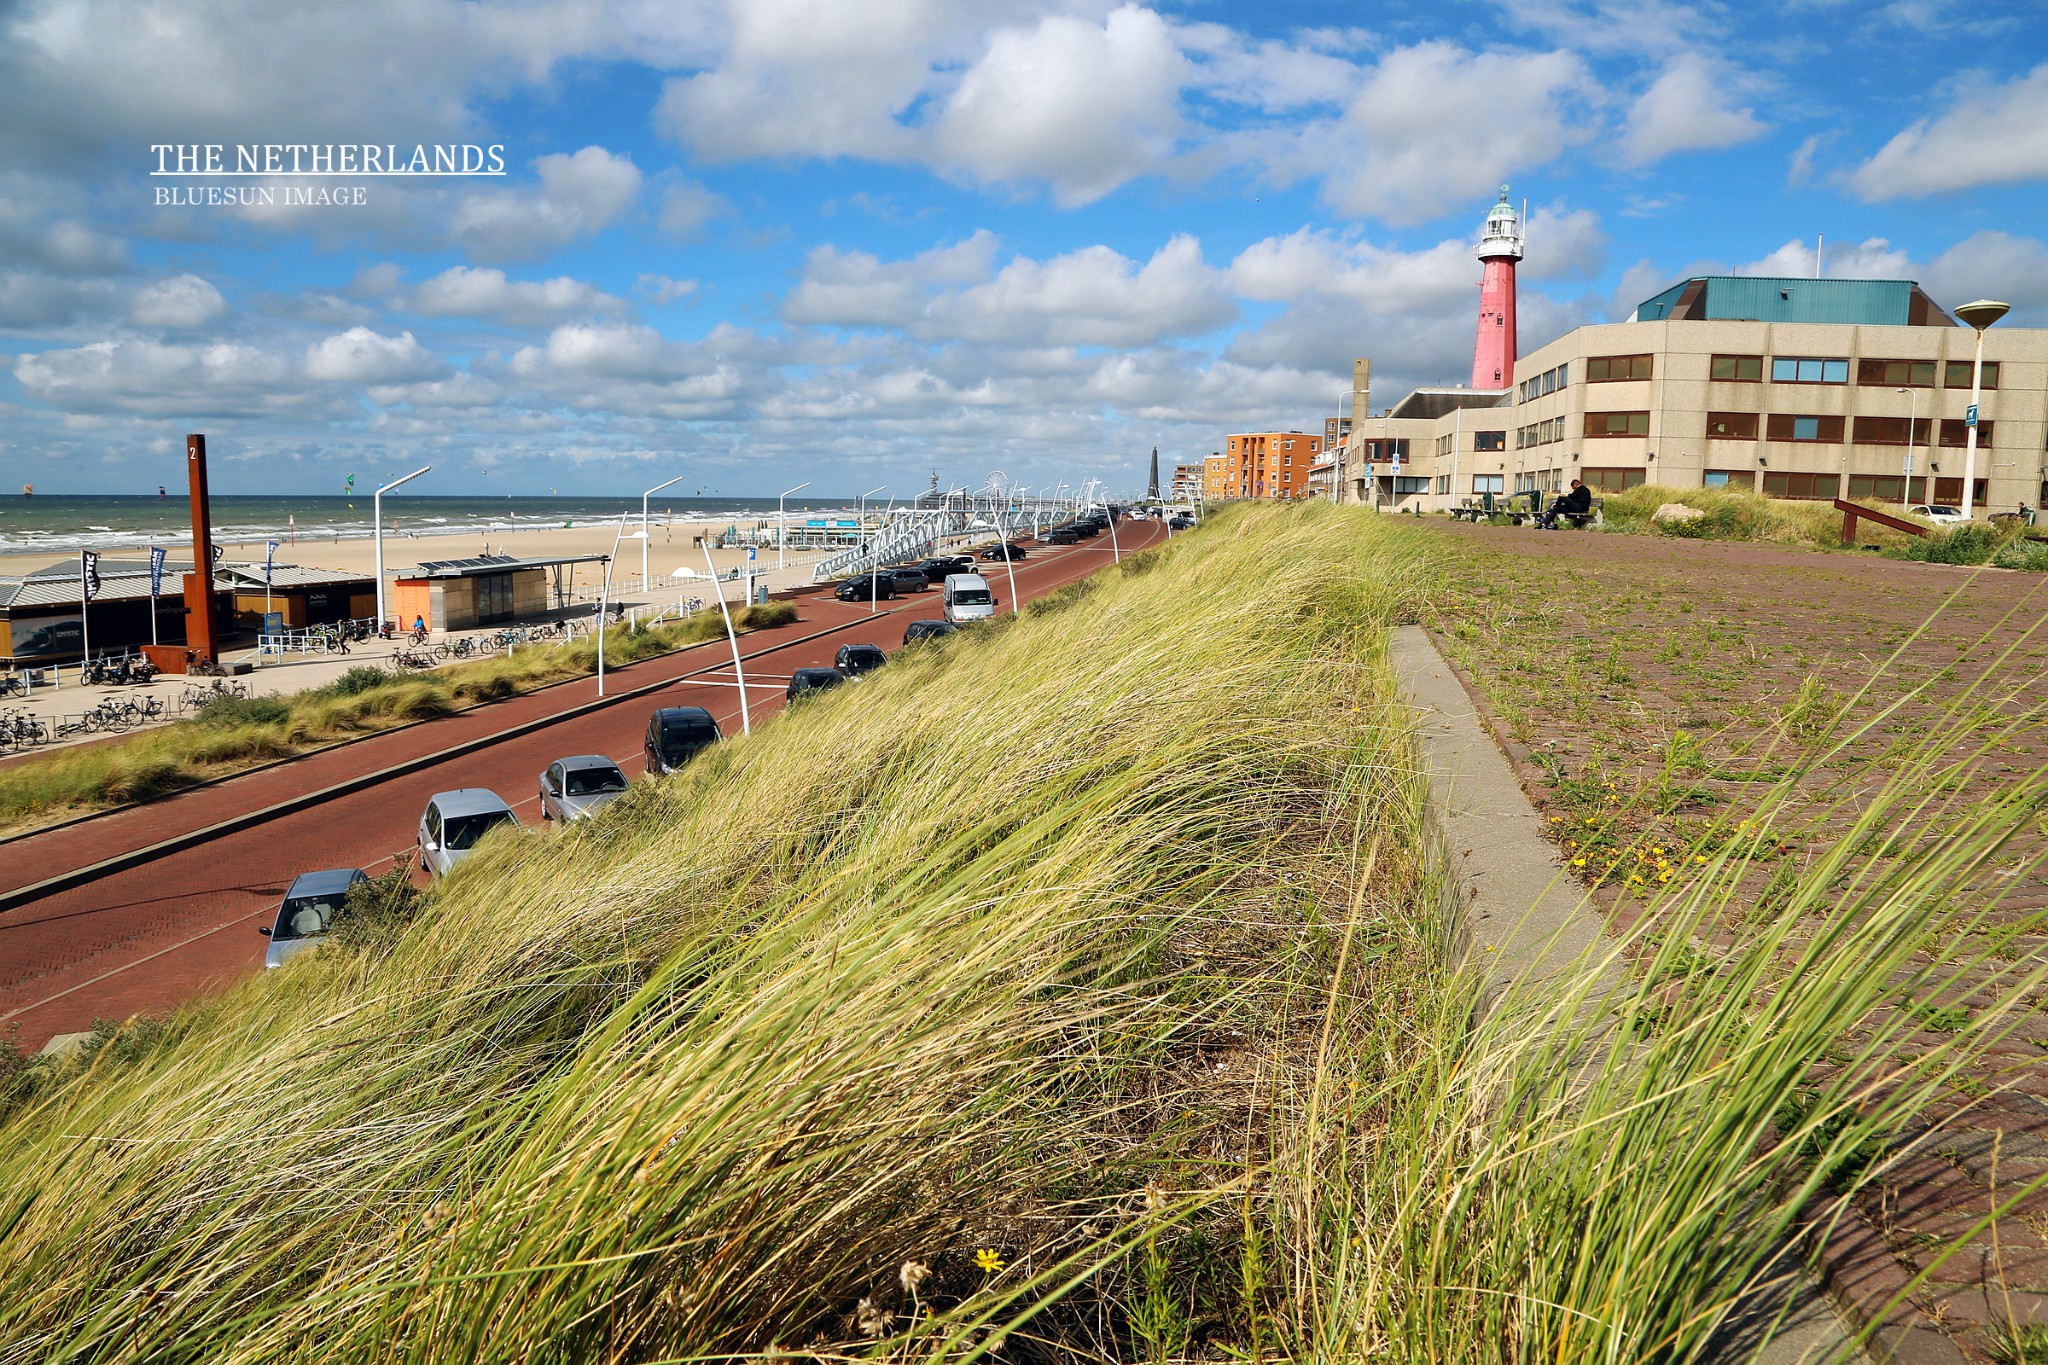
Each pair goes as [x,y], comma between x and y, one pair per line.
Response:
[89,573]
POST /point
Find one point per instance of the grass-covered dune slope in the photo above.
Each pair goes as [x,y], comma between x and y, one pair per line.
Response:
[1076,989]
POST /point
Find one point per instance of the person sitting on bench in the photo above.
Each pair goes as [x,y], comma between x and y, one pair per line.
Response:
[1577,503]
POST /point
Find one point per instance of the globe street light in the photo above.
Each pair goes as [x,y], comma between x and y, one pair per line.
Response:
[377,507]
[1978,315]
[643,529]
[782,527]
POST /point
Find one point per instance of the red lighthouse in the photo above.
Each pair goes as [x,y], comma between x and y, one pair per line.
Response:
[1493,359]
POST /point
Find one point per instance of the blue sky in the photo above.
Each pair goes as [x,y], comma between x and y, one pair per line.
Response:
[759,241]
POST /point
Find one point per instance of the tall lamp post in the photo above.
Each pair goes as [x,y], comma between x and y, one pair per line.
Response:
[782,526]
[1912,421]
[377,508]
[604,592]
[643,533]
[874,580]
[1978,315]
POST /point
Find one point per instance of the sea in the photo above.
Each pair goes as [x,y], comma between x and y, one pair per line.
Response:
[64,523]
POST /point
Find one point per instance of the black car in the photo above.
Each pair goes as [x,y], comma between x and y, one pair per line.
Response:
[1063,535]
[935,570]
[998,553]
[854,660]
[1180,523]
[928,630]
[865,588]
[909,580]
[1091,527]
[805,681]
[677,734]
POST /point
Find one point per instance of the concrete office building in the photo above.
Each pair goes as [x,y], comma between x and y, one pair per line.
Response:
[1796,388]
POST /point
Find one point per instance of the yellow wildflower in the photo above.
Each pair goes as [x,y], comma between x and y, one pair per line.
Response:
[988,1261]
[1578,862]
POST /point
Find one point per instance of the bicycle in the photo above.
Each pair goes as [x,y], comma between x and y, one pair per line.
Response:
[12,686]
[412,658]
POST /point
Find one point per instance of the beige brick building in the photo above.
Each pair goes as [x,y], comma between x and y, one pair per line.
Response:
[1814,389]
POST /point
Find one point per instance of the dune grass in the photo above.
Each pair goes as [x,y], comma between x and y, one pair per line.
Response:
[1737,514]
[1071,990]
[234,734]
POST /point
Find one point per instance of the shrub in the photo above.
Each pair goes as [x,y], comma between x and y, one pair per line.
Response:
[766,616]
[224,711]
[358,680]
[2022,554]
[1958,545]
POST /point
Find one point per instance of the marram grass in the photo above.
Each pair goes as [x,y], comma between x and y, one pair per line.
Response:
[1081,988]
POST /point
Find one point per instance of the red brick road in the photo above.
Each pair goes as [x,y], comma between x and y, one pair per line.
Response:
[152,936]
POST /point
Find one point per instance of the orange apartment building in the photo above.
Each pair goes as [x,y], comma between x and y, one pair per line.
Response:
[1268,464]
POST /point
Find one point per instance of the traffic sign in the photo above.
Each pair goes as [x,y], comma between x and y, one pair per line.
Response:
[750,554]
[1970,415]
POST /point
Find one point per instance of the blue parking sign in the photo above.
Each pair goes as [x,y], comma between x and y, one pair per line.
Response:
[1970,415]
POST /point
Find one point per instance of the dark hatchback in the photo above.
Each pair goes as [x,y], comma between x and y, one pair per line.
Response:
[864,588]
[1062,535]
[928,630]
[913,579]
[854,660]
[805,681]
[997,553]
[935,570]
[677,734]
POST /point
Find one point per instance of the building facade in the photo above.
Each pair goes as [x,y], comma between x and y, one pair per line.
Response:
[1795,388]
[1268,464]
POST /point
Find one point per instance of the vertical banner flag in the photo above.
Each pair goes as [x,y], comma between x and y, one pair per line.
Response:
[89,574]
[156,570]
[218,551]
[269,560]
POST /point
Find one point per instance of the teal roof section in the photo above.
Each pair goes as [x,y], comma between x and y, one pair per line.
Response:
[1763,298]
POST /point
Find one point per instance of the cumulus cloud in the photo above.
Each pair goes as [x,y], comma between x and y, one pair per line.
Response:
[1435,127]
[1079,106]
[1874,258]
[1986,137]
[1688,107]
[34,301]
[469,292]
[578,195]
[1990,264]
[154,379]
[662,291]
[687,206]
[361,356]
[177,304]
[856,289]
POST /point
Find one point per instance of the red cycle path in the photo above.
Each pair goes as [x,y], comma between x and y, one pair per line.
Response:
[152,936]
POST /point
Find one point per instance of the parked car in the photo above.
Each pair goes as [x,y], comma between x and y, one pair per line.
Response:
[576,788]
[1938,514]
[909,579]
[1063,535]
[454,821]
[927,630]
[310,906]
[935,570]
[1180,523]
[677,734]
[805,681]
[854,660]
[998,553]
[866,588]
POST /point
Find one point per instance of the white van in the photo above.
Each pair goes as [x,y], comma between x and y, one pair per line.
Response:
[968,598]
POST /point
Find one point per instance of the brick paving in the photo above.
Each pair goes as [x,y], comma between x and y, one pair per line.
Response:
[1638,638]
[151,937]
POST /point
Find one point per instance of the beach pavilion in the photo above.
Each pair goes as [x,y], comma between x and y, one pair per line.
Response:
[484,590]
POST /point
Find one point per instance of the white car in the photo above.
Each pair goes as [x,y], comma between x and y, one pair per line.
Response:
[1936,513]
[454,821]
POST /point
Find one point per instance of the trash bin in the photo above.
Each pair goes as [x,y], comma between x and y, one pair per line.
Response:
[1486,501]
[761,595]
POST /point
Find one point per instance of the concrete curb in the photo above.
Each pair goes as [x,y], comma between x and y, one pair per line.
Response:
[1497,852]
[121,862]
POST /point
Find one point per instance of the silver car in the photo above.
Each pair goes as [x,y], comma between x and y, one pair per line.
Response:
[454,821]
[575,788]
[308,911]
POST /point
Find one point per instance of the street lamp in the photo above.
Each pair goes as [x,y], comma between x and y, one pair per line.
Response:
[643,533]
[874,581]
[604,592]
[732,637]
[782,527]
[1009,561]
[1906,489]
[377,506]
[1978,315]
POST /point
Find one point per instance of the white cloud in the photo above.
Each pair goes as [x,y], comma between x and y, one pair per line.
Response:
[856,289]
[1687,108]
[1871,259]
[687,206]
[1091,297]
[662,290]
[154,379]
[177,304]
[470,292]
[33,301]
[1987,137]
[1079,106]
[1436,127]
[361,356]
[578,195]
[1994,265]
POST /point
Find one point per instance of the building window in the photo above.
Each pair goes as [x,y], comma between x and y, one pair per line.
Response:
[1443,483]
[1784,484]
[1744,479]
[1743,369]
[1949,492]
[1882,487]
[1890,431]
[1958,377]
[1611,480]
[1731,426]
[1550,381]
[1789,369]
[1617,424]
[1489,440]
[1410,483]
[1784,426]
[1606,369]
[1487,483]
[1444,443]
[1895,374]
[1955,432]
